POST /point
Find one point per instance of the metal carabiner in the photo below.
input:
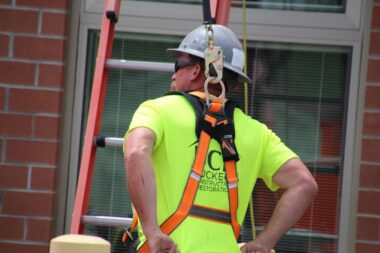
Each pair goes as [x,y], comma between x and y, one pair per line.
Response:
[222,95]
[214,58]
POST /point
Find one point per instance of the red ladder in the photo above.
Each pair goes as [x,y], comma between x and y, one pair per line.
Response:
[220,10]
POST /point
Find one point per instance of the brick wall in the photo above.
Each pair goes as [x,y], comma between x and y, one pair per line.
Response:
[368,218]
[32,50]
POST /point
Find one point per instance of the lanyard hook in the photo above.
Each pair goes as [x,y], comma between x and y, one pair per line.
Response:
[213,57]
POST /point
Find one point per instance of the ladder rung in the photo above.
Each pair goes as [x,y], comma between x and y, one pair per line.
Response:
[107,221]
[140,65]
[105,142]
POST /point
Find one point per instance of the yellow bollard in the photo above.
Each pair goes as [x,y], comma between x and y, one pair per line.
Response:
[74,243]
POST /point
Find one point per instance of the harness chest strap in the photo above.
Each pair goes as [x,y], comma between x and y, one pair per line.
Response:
[186,206]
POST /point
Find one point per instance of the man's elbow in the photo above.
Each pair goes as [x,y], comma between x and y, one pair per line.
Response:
[134,156]
[309,186]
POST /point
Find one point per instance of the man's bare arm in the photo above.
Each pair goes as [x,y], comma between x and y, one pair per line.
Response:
[142,187]
[140,176]
[300,189]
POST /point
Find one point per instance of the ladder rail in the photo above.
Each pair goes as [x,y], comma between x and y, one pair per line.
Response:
[94,116]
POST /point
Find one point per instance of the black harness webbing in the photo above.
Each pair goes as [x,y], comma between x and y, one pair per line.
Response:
[219,132]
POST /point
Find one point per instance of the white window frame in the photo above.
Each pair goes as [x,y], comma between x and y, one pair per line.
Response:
[339,29]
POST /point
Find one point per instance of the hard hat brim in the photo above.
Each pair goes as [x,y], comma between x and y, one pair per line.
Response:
[176,52]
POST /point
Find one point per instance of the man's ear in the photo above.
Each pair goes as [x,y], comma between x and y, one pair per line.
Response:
[197,72]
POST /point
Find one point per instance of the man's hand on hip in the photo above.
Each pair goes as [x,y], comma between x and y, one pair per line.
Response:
[162,243]
[254,247]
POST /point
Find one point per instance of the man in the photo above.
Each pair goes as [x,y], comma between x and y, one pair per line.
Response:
[160,148]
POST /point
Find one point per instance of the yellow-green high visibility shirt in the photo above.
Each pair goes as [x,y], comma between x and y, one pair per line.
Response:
[261,153]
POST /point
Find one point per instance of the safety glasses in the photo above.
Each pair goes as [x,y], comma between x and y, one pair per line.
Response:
[181,64]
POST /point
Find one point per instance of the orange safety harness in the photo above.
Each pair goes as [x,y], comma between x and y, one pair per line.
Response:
[213,121]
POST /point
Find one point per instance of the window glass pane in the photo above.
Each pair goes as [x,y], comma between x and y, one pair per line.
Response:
[336,6]
[299,5]
[300,91]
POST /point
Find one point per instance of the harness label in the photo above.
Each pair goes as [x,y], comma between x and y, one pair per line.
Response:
[213,178]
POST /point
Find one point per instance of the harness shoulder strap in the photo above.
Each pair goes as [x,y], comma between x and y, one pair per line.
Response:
[225,135]
[196,99]
[197,104]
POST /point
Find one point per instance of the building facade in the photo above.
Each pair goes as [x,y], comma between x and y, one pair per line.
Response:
[316,68]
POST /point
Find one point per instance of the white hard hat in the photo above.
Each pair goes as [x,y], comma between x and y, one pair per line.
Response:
[195,43]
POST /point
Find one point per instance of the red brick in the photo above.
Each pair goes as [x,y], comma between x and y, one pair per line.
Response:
[50,75]
[369,202]
[376,17]
[4,45]
[373,71]
[23,100]
[43,178]
[31,151]
[47,127]
[375,43]
[370,176]
[15,125]
[372,97]
[28,203]
[17,73]
[371,124]
[367,228]
[370,150]
[39,230]
[60,4]
[367,248]
[14,228]
[2,96]
[13,177]
[18,21]
[22,248]
[39,48]
[54,23]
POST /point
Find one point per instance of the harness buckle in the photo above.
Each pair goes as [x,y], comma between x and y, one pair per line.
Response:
[228,148]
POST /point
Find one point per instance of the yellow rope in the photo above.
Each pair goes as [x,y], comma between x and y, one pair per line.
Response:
[251,210]
[246,102]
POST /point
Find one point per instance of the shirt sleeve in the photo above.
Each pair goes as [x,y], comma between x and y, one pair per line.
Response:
[147,115]
[275,154]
